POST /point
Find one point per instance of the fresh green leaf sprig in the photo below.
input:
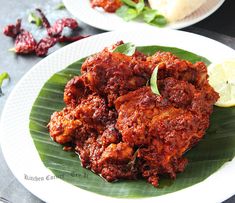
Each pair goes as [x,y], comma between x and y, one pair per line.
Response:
[33,18]
[131,10]
[127,49]
[3,77]
[153,81]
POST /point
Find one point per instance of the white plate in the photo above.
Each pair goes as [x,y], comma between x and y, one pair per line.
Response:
[109,21]
[20,152]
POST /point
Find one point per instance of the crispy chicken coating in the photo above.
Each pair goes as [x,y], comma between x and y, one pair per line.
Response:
[169,125]
[113,74]
[75,90]
[89,117]
[122,130]
[172,66]
[108,5]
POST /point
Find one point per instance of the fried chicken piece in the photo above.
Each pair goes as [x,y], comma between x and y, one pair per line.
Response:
[164,127]
[117,152]
[75,90]
[113,74]
[172,66]
[90,128]
[62,126]
[90,116]
[108,5]
[106,155]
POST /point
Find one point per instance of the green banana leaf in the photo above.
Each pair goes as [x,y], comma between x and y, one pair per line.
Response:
[216,148]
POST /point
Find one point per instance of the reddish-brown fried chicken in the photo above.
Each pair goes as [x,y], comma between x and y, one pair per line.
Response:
[108,5]
[113,74]
[120,128]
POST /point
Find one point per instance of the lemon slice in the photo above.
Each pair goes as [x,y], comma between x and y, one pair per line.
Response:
[222,79]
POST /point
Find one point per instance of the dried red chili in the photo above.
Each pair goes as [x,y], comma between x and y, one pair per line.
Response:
[59,25]
[25,43]
[44,45]
[45,22]
[13,30]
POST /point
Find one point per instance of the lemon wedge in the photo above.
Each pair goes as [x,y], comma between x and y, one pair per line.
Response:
[222,79]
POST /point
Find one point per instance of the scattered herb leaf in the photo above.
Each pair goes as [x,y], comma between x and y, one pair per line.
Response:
[127,49]
[60,6]
[33,18]
[153,81]
[3,77]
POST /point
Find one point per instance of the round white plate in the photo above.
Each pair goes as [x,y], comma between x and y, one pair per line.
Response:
[20,152]
[109,21]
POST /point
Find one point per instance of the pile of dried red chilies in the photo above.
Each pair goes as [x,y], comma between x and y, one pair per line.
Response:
[25,42]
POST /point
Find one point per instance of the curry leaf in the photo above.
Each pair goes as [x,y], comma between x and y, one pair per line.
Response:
[153,81]
[127,49]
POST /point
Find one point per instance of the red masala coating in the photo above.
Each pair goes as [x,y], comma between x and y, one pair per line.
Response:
[109,6]
[120,129]
[113,74]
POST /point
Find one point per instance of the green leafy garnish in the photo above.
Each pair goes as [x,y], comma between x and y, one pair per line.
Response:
[140,6]
[129,3]
[153,81]
[3,77]
[60,6]
[153,17]
[127,49]
[127,13]
[149,15]
[131,10]
[33,18]
[159,21]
